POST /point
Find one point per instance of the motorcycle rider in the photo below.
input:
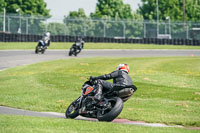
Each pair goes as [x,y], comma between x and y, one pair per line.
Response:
[43,44]
[120,77]
[78,45]
[46,39]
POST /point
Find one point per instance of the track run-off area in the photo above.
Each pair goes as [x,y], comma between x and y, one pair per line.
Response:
[13,58]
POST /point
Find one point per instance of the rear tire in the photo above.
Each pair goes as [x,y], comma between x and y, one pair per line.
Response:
[117,106]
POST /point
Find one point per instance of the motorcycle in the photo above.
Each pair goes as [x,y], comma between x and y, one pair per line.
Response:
[106,109]
[76,48]
[41,47]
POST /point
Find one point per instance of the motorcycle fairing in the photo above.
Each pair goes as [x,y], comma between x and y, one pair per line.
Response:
[88,90]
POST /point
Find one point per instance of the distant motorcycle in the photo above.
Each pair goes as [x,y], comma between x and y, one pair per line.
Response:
[43,44]
[41,47]
[107,109]
[76,47]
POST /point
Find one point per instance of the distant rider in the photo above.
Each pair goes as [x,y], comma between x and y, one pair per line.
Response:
[45,40]
[78,45]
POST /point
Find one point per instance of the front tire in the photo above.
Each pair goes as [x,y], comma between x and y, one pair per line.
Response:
[43,50]
[36,50]
[111,114]
[70,52]
[72,110]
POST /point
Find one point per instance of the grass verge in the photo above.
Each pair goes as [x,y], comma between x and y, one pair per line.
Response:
[19,124]
[168,87]
[67,45]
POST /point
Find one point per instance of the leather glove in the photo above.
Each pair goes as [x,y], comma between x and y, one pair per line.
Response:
[92,78]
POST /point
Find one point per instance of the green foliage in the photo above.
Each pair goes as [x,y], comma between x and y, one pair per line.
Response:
[19,12]
[112,9]
[2,5]
[77,14]
[75,27]
[75,22]
[56,28]
[193,10]
[171,8]
[78,24]
[31,7]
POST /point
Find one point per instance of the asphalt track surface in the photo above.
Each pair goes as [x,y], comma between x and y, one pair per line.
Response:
[13,58]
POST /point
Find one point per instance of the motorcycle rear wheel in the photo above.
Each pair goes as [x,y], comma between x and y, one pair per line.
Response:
[116,108]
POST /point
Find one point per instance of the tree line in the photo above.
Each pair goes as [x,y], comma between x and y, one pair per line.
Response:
[175,10]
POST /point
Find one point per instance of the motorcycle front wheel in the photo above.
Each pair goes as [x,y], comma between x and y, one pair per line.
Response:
[36,50]
[116,106]
[72,110]
[70,52]
[43,50]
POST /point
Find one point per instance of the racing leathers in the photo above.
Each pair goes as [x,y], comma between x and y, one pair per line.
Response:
[120,78]
[78,46]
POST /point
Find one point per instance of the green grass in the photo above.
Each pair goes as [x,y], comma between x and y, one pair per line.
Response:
[20,124]
[67,45]
[168,87]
